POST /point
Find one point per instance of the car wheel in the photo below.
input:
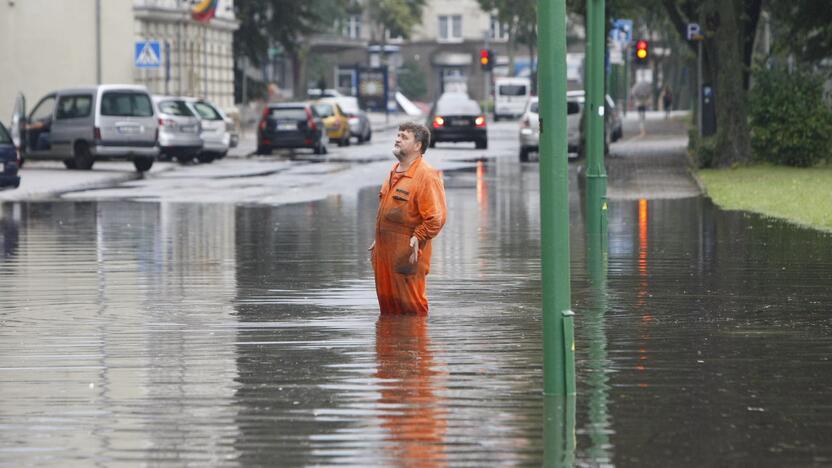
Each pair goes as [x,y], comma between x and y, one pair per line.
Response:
[432,144]
[69,163]
[482,144]
[347,139]
[524,154]
[369,135]
[264,150]
[205,158]
[83,158]
[143,164]
[184,159]
[319,148]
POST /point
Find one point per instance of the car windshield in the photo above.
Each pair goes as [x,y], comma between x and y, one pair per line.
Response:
[288,113]
[457,107]
[533,107]
[5,139]
[175,107]
[206,111]
[324,110]
[512,90]
[126,104]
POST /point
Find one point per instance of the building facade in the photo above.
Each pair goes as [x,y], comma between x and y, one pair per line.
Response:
[50,45]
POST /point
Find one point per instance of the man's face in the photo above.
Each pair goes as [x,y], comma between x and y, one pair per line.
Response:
[405,145]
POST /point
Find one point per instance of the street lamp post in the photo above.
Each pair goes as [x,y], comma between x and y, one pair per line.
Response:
[558,337]
[596,175]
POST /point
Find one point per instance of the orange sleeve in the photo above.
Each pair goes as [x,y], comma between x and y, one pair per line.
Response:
[430,200]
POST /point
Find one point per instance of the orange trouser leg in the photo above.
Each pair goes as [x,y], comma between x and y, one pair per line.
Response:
[400,285]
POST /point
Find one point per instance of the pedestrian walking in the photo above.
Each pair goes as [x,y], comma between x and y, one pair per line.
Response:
[411,212]
[667,101]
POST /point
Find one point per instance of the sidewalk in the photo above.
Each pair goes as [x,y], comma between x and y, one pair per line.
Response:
[652,164]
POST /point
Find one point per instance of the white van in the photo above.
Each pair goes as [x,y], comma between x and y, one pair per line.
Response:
[511,96]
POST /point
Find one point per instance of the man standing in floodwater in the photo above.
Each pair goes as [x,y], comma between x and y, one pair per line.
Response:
[411,212]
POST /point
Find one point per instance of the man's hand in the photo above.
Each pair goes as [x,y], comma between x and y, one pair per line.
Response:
[414,244]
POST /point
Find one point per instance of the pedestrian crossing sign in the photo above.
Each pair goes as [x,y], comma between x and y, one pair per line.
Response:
[148,54]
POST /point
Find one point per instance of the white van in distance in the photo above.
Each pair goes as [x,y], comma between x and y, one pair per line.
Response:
[510,97]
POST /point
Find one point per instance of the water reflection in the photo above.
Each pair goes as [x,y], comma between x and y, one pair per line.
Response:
[559,431]
[414,415]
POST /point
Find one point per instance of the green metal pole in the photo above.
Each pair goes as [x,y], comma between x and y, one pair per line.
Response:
[596,175]
[554,194]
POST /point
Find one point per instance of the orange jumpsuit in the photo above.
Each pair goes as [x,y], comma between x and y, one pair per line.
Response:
[410,204]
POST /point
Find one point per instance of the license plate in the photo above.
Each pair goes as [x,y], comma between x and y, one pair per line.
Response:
[459,122]
[188,129]
[128,130]
[287,126]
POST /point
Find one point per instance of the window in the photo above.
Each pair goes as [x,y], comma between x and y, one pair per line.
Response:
[126,104]
[175,108]
[498,30]
[4,136]
[73,107]
[512,90]
[352,28]
[43,110]
[450,28]
[324,110]
[206,112]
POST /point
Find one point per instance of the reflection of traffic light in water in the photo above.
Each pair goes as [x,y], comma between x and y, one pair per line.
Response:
[643,293]
[411,412]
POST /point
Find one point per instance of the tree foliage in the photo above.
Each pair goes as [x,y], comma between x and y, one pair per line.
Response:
[398,17]
[804,27]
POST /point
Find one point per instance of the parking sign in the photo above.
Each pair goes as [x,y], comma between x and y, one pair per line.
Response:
[148,54]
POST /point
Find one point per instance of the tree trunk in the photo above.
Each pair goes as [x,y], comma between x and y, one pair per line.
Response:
[733,138]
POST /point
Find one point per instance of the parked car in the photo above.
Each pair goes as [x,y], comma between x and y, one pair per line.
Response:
[360,126]
[457,117]
[612,123]
[216,129]
[291,125]
[510,97]
[179,129]
[82,125]
[8,161]
[530,127]
[335,120]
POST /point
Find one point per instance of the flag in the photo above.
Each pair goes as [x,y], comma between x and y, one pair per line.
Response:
[204,10]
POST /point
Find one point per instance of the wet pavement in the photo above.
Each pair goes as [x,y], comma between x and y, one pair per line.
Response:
[248,335]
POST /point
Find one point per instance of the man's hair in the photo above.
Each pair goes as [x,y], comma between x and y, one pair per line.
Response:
[419,131]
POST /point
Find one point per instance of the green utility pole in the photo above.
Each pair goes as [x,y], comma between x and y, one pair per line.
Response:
[596,175]
[558,336]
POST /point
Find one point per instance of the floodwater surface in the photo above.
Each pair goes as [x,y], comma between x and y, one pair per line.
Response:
[213,334]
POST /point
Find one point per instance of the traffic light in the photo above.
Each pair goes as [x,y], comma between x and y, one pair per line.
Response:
[486,59]
[642,52]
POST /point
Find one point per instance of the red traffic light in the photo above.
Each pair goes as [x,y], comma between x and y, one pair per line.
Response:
[485,57]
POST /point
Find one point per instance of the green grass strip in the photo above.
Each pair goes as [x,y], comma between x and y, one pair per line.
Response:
[799,195]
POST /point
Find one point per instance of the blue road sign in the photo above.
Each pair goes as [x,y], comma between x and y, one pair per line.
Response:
[148,54]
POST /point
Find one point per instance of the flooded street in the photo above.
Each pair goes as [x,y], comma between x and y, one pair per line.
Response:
[248,335]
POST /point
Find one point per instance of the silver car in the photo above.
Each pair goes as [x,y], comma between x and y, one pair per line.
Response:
[179,129]
[216,131]
[86,124]
[530,126]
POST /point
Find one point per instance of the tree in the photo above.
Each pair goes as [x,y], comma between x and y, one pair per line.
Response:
[287,22]
[805,27]
[520,18]
[396,17]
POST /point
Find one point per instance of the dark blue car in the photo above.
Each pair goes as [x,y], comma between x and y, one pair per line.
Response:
[8,161]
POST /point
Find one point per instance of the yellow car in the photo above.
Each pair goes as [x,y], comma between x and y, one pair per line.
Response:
[335,120]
